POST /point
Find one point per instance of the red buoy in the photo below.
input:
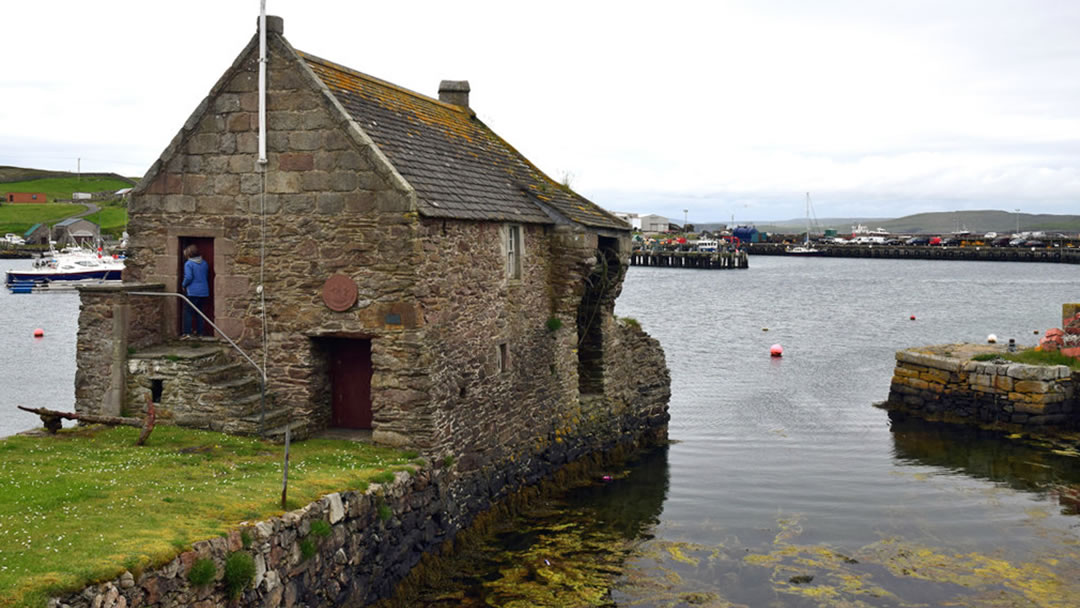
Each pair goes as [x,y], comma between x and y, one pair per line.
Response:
[776,350]
[912,317]
[39,333]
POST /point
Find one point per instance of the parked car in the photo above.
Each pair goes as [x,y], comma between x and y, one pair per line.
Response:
[1034,243]
[919,240]
[1001,241]
[935,240]
[952,241]
[1017,242]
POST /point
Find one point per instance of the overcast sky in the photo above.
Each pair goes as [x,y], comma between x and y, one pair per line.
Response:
[878,109]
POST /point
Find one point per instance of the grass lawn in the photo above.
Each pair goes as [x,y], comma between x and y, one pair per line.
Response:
[112,219]
[19,218]
[63,187]
[86,504]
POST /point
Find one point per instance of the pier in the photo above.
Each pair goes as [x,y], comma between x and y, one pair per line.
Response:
[1059,255]
[691,259]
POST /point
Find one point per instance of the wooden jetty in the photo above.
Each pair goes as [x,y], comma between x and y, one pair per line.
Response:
[691,259]
[1058,255]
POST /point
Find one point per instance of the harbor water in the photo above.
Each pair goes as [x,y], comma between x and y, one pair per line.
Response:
[35,372]
[783,485]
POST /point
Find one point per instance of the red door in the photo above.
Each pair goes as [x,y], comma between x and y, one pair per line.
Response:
[206,250]
[350,379]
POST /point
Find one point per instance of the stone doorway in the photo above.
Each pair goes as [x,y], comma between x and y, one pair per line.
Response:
[350,382]
[599,297]
[206,250]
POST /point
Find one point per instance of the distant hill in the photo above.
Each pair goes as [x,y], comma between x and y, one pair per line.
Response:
[23,174]
[981,222]
[940,222]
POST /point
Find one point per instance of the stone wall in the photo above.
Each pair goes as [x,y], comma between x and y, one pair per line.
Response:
[375,538]
[938,386]
[332,206]
[110,322]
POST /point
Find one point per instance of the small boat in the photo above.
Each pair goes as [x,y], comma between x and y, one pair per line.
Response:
[64,268]
[806,248]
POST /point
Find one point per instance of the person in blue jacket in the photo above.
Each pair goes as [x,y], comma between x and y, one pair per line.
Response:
[197,287]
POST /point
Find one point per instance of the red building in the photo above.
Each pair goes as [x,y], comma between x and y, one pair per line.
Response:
[26,197]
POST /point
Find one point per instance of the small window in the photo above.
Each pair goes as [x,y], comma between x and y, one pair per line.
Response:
[157,386]
[504,358]
[513,252]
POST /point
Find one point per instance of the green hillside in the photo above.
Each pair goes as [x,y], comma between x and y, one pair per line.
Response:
[63,187]
[112,219]
[19,218]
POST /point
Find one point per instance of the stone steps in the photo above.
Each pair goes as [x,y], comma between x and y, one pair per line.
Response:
[278,433]
[218,373]
[206,386]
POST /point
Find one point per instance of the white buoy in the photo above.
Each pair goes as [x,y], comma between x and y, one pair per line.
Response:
[776,350]
[991,339]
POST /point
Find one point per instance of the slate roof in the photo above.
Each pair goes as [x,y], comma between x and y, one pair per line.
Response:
[459,167]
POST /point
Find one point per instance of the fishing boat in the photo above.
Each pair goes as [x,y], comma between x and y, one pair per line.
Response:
[65,268]
[806,248]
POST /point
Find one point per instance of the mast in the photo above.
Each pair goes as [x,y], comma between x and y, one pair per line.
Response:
[807,219]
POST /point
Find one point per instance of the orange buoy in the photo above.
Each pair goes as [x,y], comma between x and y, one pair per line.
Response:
[776,350]
[39,333]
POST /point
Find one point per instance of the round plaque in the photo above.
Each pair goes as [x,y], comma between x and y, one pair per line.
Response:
[339,292]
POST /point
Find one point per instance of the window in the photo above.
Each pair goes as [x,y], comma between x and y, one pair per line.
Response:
[513,252]
[503,358]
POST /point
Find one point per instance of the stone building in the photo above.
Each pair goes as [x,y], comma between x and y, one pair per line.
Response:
[420,277]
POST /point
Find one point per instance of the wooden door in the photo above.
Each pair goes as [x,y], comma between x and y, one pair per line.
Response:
[350,379]
[206,250]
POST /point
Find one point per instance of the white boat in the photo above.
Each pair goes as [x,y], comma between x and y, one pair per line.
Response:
[806,248]
[64,268]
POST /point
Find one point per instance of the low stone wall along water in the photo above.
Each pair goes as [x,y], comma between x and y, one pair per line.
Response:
[945,383]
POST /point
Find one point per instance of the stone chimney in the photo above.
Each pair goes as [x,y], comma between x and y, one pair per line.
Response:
[274,25]
[455,92]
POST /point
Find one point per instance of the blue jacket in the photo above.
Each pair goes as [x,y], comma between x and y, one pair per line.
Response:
[197,277]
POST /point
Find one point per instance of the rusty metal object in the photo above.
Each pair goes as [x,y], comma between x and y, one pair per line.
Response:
[339,292]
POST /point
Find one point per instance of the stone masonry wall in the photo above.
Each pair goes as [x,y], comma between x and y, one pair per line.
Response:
[111,321]
[940,387]
[332,206]
[483,413]
[376,537]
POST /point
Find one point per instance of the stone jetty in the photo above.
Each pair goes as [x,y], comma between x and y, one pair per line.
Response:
[945,383]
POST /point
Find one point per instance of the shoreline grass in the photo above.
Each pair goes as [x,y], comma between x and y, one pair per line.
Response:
[86,504]
[1033,357]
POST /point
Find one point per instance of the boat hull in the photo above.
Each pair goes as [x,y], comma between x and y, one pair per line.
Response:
[41,276]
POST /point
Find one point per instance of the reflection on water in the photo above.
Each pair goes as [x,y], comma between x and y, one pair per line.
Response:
[564,550]
[1017,461]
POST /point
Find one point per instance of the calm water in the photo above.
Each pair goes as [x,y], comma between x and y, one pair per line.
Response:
[35,372]
[783,470]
